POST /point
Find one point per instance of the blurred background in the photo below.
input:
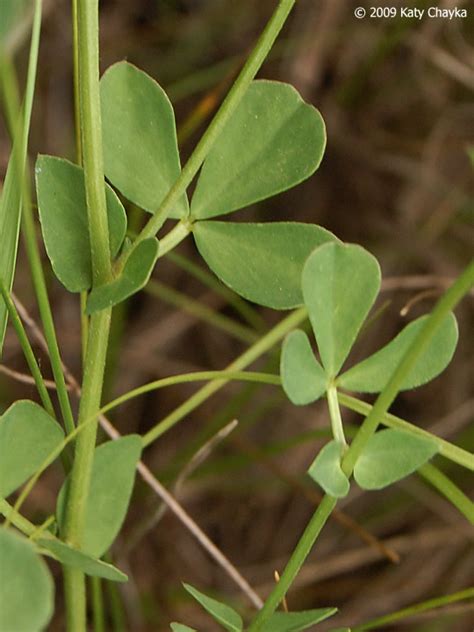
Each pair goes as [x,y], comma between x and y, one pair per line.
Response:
[396,95]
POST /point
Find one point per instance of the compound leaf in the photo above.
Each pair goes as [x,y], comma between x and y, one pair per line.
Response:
[326,470]
[27,436]
[113,475]
[340,284]
[372,374]
[141,154]
[223,614]
[63,214]
[273,141]
[389,456]
[261,262]
[297,621]
[303,378]
[70,556]
[133,278]
[26,588]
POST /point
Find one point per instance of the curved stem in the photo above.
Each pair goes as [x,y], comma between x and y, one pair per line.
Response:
[197,376]
[175,237]
[448,489]
[250,355]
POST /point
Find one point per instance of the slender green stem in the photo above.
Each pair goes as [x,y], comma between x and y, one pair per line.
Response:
[418,608]
[448,489]
[98,613]
[27,350]
[94,367]
[15,518]
[446,449]
[230,103]
[242,362]
[186,378]
[447,302]
[78,139]
[335,415]
[301,552]
[175,237]
[205,313]
[12,108]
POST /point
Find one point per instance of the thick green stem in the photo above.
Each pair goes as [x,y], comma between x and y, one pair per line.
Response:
[88,54]
[230,103]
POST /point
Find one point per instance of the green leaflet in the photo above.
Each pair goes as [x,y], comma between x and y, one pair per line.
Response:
[223,614]
[389,456]
[261,262]
[11,195]
[340,284]
[26,587]
[273,142]
[372,374]
[63,213]
[27,436]
[303,378]
[69,556]
[297,621]
[326,470]
[113,476]
[141,154]
[134,277]
[180,627]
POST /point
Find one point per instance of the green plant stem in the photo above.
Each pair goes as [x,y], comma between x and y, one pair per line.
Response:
[98,613]
[230,103]
[175,237]
[197,376]
[12,108]
[15,518]
[194,307]
[418,608]
[27,350]
[448,489]
[78,139]
[335,415]
[299,555]
[447,303]
[242,362]
[83,460]
[94,367]
[446,449]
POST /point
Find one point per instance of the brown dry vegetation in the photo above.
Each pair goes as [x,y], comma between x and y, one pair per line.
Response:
[397,99]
